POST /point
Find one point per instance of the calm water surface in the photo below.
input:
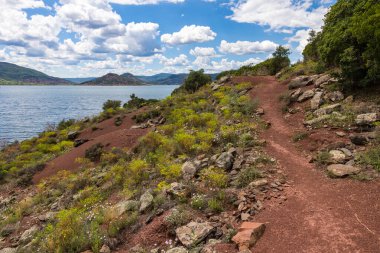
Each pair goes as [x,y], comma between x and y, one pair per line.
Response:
[27,110]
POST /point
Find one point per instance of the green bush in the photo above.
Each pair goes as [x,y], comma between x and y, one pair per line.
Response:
[111,104]
[195,80]
[371,157]
[94,152]
[247,175]
[215,177]
[349,41]
[136,102]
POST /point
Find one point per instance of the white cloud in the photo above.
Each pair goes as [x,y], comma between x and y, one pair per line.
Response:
[247,47]
[189,34]
[180,60]
[300,37]
[278,14]
[203,52]
[225,64]
[144,2]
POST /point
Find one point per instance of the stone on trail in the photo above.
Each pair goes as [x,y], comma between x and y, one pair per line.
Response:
[193,233]
[27,236]
[341,170]
[225,161]
[248,234]
[295,95]
[105,249]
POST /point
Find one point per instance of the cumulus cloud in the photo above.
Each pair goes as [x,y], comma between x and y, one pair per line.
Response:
[246,47]
[189,34]
[226,64]
[203,52]
[180,60]
[279,14]
[144,2]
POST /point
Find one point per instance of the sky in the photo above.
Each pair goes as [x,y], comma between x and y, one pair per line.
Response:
[82,38]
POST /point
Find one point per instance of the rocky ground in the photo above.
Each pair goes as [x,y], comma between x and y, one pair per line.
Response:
[309,197]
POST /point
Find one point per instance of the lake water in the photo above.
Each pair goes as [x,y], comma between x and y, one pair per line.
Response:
[26,110]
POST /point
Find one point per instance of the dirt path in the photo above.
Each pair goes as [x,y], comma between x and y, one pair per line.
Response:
[320,214]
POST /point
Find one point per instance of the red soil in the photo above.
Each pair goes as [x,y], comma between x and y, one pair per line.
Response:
[107,134]
[321,214]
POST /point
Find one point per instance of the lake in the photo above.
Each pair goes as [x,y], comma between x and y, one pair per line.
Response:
[26,110]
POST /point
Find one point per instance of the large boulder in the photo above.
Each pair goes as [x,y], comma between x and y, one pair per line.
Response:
[295,95]
[225,160]
[28,235]
[316,101]
[334,96]
[341,170]
[305,96]
[328,109]
[322,80]
[359,139]
[248,234]
[337,156]
[300,81]
[146,201]
[366,118]
[193,233]
[189,169]
[125,205]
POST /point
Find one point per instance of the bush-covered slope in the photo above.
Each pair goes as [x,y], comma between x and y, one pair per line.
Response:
[14,74]
[115,79]
[350,41]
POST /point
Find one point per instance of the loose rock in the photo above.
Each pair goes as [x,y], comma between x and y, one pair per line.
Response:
[328,109]
[306,95]
[366,119]
[146,201]
[193,233]
[248,234]
[317,100]
[340,170]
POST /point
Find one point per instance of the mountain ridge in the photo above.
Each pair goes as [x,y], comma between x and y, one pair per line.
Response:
[17,75]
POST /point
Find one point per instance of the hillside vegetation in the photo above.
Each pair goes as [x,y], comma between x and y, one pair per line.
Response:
[11,74]
[349,42]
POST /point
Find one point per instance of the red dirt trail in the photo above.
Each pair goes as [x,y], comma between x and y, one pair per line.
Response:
[321,214]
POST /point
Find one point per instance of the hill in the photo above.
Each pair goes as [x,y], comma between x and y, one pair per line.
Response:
[13,74]
[116,80]
[168,79]
[79,80]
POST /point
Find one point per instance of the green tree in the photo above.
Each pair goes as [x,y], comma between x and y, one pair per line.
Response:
[280,59]
[195,80]
[350,41]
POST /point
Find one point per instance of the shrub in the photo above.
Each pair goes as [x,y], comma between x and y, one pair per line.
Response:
[247,175]
[371,157]
[300,136]
[215,205]
[111,104]
[323,157]
[215,177]
[121,223]
[137,170]
[198,202]
[178,217]
[63,124]
[94,152]
[195,80]
[136,102]
[171,171]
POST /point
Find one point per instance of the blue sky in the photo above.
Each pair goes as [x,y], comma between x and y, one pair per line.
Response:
[77,38]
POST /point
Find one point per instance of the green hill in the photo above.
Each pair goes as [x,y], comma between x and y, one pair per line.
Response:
[12,74]
[116,80]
